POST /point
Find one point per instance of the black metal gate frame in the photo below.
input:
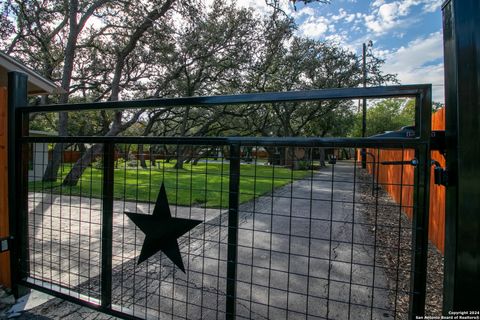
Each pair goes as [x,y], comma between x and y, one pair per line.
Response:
[18,178]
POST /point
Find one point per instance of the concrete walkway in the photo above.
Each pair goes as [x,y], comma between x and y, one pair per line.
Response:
[298,252]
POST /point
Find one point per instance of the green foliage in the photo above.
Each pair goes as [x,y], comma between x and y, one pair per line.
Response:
[47,122]
[303,165]
[119,163]
[98,164]
[387,115]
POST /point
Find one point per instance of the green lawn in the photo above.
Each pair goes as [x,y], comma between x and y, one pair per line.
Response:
[199,185]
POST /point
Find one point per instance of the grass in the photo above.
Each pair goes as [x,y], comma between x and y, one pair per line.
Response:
[205,184]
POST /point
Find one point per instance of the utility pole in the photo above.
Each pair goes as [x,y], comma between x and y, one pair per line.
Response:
[364,106]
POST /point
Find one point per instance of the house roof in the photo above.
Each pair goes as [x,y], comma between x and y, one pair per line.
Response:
[38,133]
[36,83]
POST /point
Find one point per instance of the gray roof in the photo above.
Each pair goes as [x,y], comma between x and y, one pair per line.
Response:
[36,83]
[38,133]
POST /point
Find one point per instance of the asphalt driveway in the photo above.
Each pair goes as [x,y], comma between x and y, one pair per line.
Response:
[303,249]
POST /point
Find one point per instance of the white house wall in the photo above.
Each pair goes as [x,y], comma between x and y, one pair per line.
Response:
[40,161]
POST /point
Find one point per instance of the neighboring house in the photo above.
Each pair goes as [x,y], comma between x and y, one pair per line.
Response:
[37,85]
[38,157]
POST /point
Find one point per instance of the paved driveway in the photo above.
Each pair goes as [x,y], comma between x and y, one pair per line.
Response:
[302,249]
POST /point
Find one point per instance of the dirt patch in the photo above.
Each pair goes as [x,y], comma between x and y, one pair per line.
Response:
[393,233]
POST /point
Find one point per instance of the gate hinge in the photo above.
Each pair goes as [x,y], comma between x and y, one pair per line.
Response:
[5,244]
[440,175]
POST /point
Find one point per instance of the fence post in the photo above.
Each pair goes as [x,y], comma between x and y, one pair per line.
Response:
[420,232]
[462,220]
[420,218]
[18,181]
[107,223]
[234,191]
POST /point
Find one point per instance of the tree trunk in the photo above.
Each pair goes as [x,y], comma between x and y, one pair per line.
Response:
[292,160]
[322,158]
[77,170]
[152,156]
[181,157]
[81,147]
[79,167]
[127,152]
[51,172]
[82,164]
[274,155]
[141,155]
[180,160]
[181,150]
[283,156]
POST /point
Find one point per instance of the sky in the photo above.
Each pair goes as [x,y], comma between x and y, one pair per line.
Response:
[406,33]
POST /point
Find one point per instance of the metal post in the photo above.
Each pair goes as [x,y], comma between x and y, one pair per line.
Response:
[18,181]
[234,191]
[364,104]
[420,233]
[420,219]
[462,220]
[107,223]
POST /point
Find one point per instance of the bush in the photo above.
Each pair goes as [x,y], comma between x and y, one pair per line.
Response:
[303,165]
[98,164]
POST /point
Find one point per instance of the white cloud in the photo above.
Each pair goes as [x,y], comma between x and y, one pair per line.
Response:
[350,17]
[432,6]
[381,53]
[377,3]
[418,63]
[335,38]
[305,11]
[385,16]
[341,39]
[314,27]
[262,7]
[341,14]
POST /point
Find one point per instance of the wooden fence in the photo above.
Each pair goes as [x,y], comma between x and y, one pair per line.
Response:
[395,176]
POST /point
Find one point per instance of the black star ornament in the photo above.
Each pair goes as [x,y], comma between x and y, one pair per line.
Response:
[162,231]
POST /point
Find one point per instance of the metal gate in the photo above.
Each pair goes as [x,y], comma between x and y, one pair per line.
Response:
[238,234]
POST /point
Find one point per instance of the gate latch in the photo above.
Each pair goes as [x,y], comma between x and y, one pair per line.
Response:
[5,244]
[440,175]
[413,162]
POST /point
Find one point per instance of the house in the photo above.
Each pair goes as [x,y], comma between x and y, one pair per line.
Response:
[37,85]
[38,156]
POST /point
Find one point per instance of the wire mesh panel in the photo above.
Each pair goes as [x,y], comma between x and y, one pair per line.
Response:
[64,227]
[232,227]
[317,235]
[309,248]
[198,190]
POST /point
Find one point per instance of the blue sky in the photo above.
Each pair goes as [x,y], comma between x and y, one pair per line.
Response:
[406,33]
